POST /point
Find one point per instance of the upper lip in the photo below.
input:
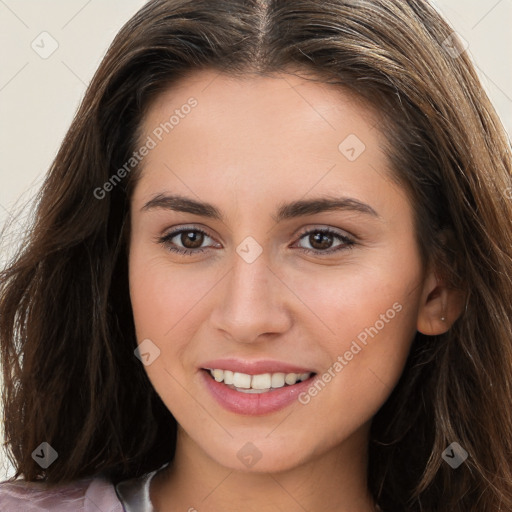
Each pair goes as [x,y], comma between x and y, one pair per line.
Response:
[254,367]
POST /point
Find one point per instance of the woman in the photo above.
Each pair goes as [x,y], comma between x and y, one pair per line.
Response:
[270,270]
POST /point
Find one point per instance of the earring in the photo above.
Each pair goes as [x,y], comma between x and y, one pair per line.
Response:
[443,318]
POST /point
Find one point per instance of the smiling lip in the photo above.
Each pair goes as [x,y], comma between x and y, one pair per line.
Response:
[254,367]
[254,404]
[258,403]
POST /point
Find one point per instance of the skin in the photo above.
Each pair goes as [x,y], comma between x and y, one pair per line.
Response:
[248,147]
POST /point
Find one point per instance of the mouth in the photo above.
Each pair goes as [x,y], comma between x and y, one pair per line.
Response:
[255,387]
[258,383]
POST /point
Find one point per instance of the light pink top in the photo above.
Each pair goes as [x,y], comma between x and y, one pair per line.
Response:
[86,495]
[93,494]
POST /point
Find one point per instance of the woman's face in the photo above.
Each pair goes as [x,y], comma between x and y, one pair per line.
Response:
[300,259]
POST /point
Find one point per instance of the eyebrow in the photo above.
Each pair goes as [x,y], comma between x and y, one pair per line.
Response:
[285,211]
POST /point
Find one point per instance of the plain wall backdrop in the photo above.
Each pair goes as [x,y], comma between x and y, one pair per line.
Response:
[51,48]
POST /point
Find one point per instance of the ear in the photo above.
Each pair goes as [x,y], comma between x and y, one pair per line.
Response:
[440,306]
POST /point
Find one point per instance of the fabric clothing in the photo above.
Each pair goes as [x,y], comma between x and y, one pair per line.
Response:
[93,494]
[134,493]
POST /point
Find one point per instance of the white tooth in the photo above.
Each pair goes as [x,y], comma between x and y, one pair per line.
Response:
[241,380]
[253,390]
[291,378]
[228,377]
[261,381]
[277,380]
[218,375]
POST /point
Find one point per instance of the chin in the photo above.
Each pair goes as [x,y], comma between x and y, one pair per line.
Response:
[259,455]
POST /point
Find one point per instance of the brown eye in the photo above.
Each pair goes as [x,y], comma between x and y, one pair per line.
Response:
[321,241]
[191,239]
[186,241]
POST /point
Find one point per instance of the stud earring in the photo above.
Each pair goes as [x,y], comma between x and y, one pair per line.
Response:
[443,318]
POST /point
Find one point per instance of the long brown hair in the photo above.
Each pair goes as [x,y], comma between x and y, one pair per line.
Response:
[66,328]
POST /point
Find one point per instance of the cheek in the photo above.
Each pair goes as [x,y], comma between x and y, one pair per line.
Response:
[167,304]
[364,324]
[355,300]
[369,313]
[367,357]
[163,308]
[162,295]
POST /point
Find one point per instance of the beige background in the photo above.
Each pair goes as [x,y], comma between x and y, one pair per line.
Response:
[39,96]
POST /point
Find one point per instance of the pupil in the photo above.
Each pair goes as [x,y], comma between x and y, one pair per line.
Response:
[317,239]
[194,236]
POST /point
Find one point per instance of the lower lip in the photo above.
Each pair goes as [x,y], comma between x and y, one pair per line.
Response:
[254,404]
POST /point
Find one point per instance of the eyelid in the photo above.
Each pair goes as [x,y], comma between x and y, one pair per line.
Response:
[322,227]
[173,232]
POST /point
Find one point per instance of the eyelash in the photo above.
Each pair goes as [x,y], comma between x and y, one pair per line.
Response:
[348,243]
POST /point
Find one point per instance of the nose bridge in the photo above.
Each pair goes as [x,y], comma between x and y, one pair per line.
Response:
[250,280]
[250,304]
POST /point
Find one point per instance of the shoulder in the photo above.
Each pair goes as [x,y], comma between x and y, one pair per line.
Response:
[85,495]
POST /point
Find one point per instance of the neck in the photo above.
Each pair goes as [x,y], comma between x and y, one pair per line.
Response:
[334,481]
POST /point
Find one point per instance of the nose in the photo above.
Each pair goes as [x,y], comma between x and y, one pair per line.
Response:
[252,302]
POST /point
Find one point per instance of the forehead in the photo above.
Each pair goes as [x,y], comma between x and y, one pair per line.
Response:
[261,137]
[273,100]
